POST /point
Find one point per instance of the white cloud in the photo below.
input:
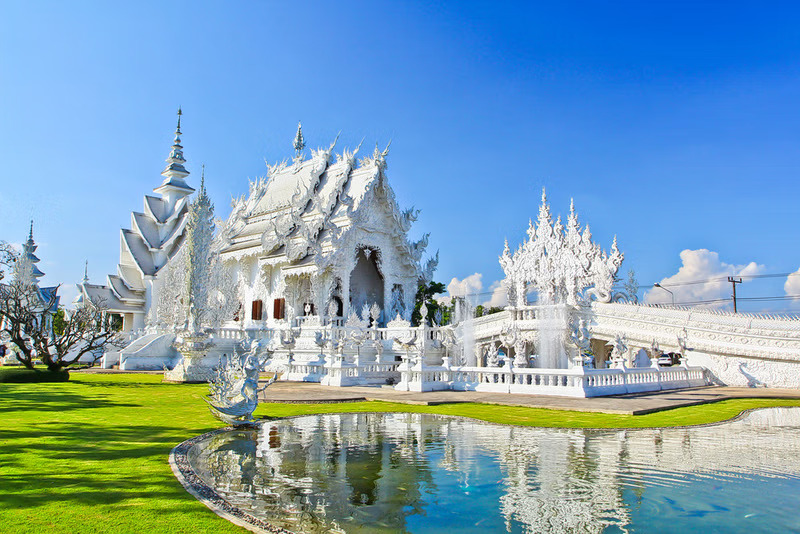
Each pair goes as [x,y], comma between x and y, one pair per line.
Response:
[700,265]
[499,296]
[792,284]
[470,285]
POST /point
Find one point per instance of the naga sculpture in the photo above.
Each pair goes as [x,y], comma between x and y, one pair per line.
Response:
[234,391]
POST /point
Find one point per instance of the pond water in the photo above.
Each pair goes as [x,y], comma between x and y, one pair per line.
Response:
[427,473]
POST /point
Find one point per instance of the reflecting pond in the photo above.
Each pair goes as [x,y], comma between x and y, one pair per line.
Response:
[428,473]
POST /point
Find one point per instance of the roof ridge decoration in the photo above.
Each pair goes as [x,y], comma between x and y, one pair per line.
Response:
[299,143]
[310,208]
[560,263]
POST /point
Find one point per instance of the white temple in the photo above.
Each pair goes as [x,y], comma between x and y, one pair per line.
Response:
[315,262]
[318,237]
[46,299]
[154,237]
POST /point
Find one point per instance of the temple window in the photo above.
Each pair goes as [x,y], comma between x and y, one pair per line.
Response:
[279,308]
[258,307]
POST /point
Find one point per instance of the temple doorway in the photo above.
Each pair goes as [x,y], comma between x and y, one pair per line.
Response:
[366,281]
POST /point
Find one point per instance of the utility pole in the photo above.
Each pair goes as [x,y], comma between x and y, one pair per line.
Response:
[733,282]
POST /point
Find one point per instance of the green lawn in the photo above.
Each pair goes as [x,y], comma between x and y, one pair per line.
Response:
[90,455]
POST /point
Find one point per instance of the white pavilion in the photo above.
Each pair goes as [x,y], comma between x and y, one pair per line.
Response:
[324,238]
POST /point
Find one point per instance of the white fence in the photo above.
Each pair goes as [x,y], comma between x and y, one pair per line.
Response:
[577,382]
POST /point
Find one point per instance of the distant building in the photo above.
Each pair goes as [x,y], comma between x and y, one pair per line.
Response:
[46,298]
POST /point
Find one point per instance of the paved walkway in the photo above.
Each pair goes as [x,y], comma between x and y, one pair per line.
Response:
[633,404]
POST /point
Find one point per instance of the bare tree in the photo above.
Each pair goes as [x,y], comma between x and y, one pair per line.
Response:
[27,320]
[87,330]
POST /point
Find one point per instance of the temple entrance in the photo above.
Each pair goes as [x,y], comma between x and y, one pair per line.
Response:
[366,281]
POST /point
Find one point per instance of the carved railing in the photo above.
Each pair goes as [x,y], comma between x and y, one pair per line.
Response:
[723,333]
[761,336]
[561,382]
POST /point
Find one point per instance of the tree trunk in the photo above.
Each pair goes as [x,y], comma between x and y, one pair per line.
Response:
[24,355]
[28,363]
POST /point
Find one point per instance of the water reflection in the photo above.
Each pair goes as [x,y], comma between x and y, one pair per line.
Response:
[424,473]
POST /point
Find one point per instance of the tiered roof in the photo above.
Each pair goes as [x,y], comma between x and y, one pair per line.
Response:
[302,210]
[28,249]
[154,237]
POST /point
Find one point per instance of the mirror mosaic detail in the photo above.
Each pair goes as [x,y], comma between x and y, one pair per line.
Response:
[426,473]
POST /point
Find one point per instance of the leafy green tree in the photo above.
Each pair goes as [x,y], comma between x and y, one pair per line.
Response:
[481,310]
[426,294]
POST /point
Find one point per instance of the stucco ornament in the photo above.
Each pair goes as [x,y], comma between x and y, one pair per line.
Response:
[561,263]
[581,338]
[619,352]
[233,393]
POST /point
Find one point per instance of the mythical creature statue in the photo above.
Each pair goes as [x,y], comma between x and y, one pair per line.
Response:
[408,341]
[234,391]
[619,351]
[581,337]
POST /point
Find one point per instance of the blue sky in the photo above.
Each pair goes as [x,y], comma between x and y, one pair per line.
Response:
[673,125]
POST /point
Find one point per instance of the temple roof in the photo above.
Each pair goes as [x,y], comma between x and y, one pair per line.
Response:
[301,210]
[102,295]
[155,235]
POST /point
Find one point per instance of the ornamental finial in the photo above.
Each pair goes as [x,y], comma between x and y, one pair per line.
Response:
[299,143]
[203,178]
[86,273]
[175,160]
[30,235]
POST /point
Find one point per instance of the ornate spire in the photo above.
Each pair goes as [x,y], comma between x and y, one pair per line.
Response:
[175,171]
[29,246]
[28,249]
[299,143]
[86,273]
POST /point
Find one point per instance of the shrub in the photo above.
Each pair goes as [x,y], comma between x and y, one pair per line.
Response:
[21,375]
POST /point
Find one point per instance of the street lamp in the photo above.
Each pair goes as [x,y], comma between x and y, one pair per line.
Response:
[671,294]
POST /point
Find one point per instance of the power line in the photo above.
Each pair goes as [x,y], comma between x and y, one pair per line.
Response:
[691,282]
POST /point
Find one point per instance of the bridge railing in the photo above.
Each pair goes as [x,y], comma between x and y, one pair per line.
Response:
[576,382]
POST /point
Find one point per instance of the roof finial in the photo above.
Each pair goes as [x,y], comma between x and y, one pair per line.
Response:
[86,273]
[30,236]
[175,171]
[299,143]
[203,178]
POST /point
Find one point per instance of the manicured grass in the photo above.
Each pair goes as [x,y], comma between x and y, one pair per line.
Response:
[513,415]
[90,455]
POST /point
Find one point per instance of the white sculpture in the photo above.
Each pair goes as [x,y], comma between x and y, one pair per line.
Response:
[233,394]
[619,352]
[581,338]
[560,263]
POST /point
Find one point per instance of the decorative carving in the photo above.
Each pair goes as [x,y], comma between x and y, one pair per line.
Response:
[560,263]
